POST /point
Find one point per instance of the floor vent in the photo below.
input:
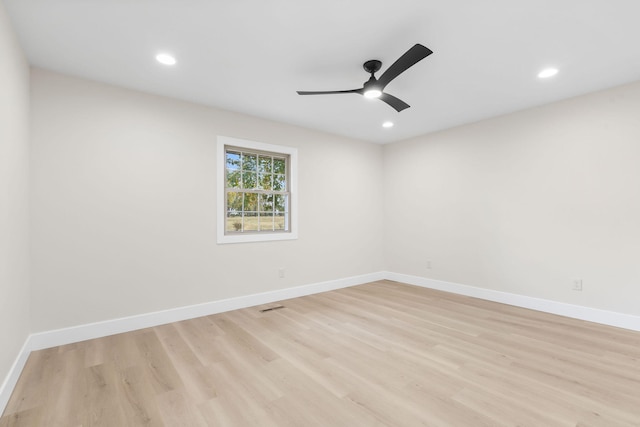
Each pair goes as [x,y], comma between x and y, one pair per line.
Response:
[278,307]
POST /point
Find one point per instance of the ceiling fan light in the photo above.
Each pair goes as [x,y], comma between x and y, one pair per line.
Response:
[373,93]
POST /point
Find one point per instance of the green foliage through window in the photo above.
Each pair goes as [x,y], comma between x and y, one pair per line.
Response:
[257,194]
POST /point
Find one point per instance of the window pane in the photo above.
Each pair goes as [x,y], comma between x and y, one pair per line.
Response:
[279,202]
[249,162]
[264,181]
[264,164]
[278,222]
[251,221]
[233,160]
[249,180]
[234,222]
[279,165]
[250,202]
[234,202]
[266,222]
[233,179]
[279,182]
[266,203]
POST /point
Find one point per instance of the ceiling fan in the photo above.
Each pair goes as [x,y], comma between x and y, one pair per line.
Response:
[374,88]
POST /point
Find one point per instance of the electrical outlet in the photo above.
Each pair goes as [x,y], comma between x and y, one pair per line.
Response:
[577,284]
[281,273]
[428,264]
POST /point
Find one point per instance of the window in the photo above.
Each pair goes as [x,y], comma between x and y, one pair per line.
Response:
[256,191]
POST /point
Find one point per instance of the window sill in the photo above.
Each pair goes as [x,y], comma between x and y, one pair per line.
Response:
[258,237]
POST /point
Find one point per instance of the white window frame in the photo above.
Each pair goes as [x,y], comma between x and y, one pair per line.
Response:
[262,236]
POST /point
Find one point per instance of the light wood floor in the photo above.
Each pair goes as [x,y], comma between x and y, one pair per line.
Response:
[380,354]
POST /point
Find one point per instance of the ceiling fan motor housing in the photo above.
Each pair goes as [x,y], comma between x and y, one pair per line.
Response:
[372,66]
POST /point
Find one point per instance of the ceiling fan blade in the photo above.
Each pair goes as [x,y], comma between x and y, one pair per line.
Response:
[396,103]
[330,92]
[410,57]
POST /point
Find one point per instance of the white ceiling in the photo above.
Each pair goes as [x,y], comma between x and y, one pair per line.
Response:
[251,56]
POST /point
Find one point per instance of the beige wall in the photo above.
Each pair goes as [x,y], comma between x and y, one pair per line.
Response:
[525,203]
[123,204]
[14,215]
[124,212]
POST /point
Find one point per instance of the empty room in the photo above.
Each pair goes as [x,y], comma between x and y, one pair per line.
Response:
[333,214]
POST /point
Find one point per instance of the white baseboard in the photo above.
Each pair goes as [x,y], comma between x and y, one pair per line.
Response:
[73,334]
[57,337]
[70,335]
[611,318]
[47,339]
[14,373]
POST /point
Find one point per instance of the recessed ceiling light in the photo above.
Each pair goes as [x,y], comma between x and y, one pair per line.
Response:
[166,59]
[547,72]
[387,125]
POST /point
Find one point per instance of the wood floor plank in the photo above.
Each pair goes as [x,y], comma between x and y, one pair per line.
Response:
[28,417]
[381,354]
[159,368]
[176,410]
[198,382]
[101,402]
[137,398]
